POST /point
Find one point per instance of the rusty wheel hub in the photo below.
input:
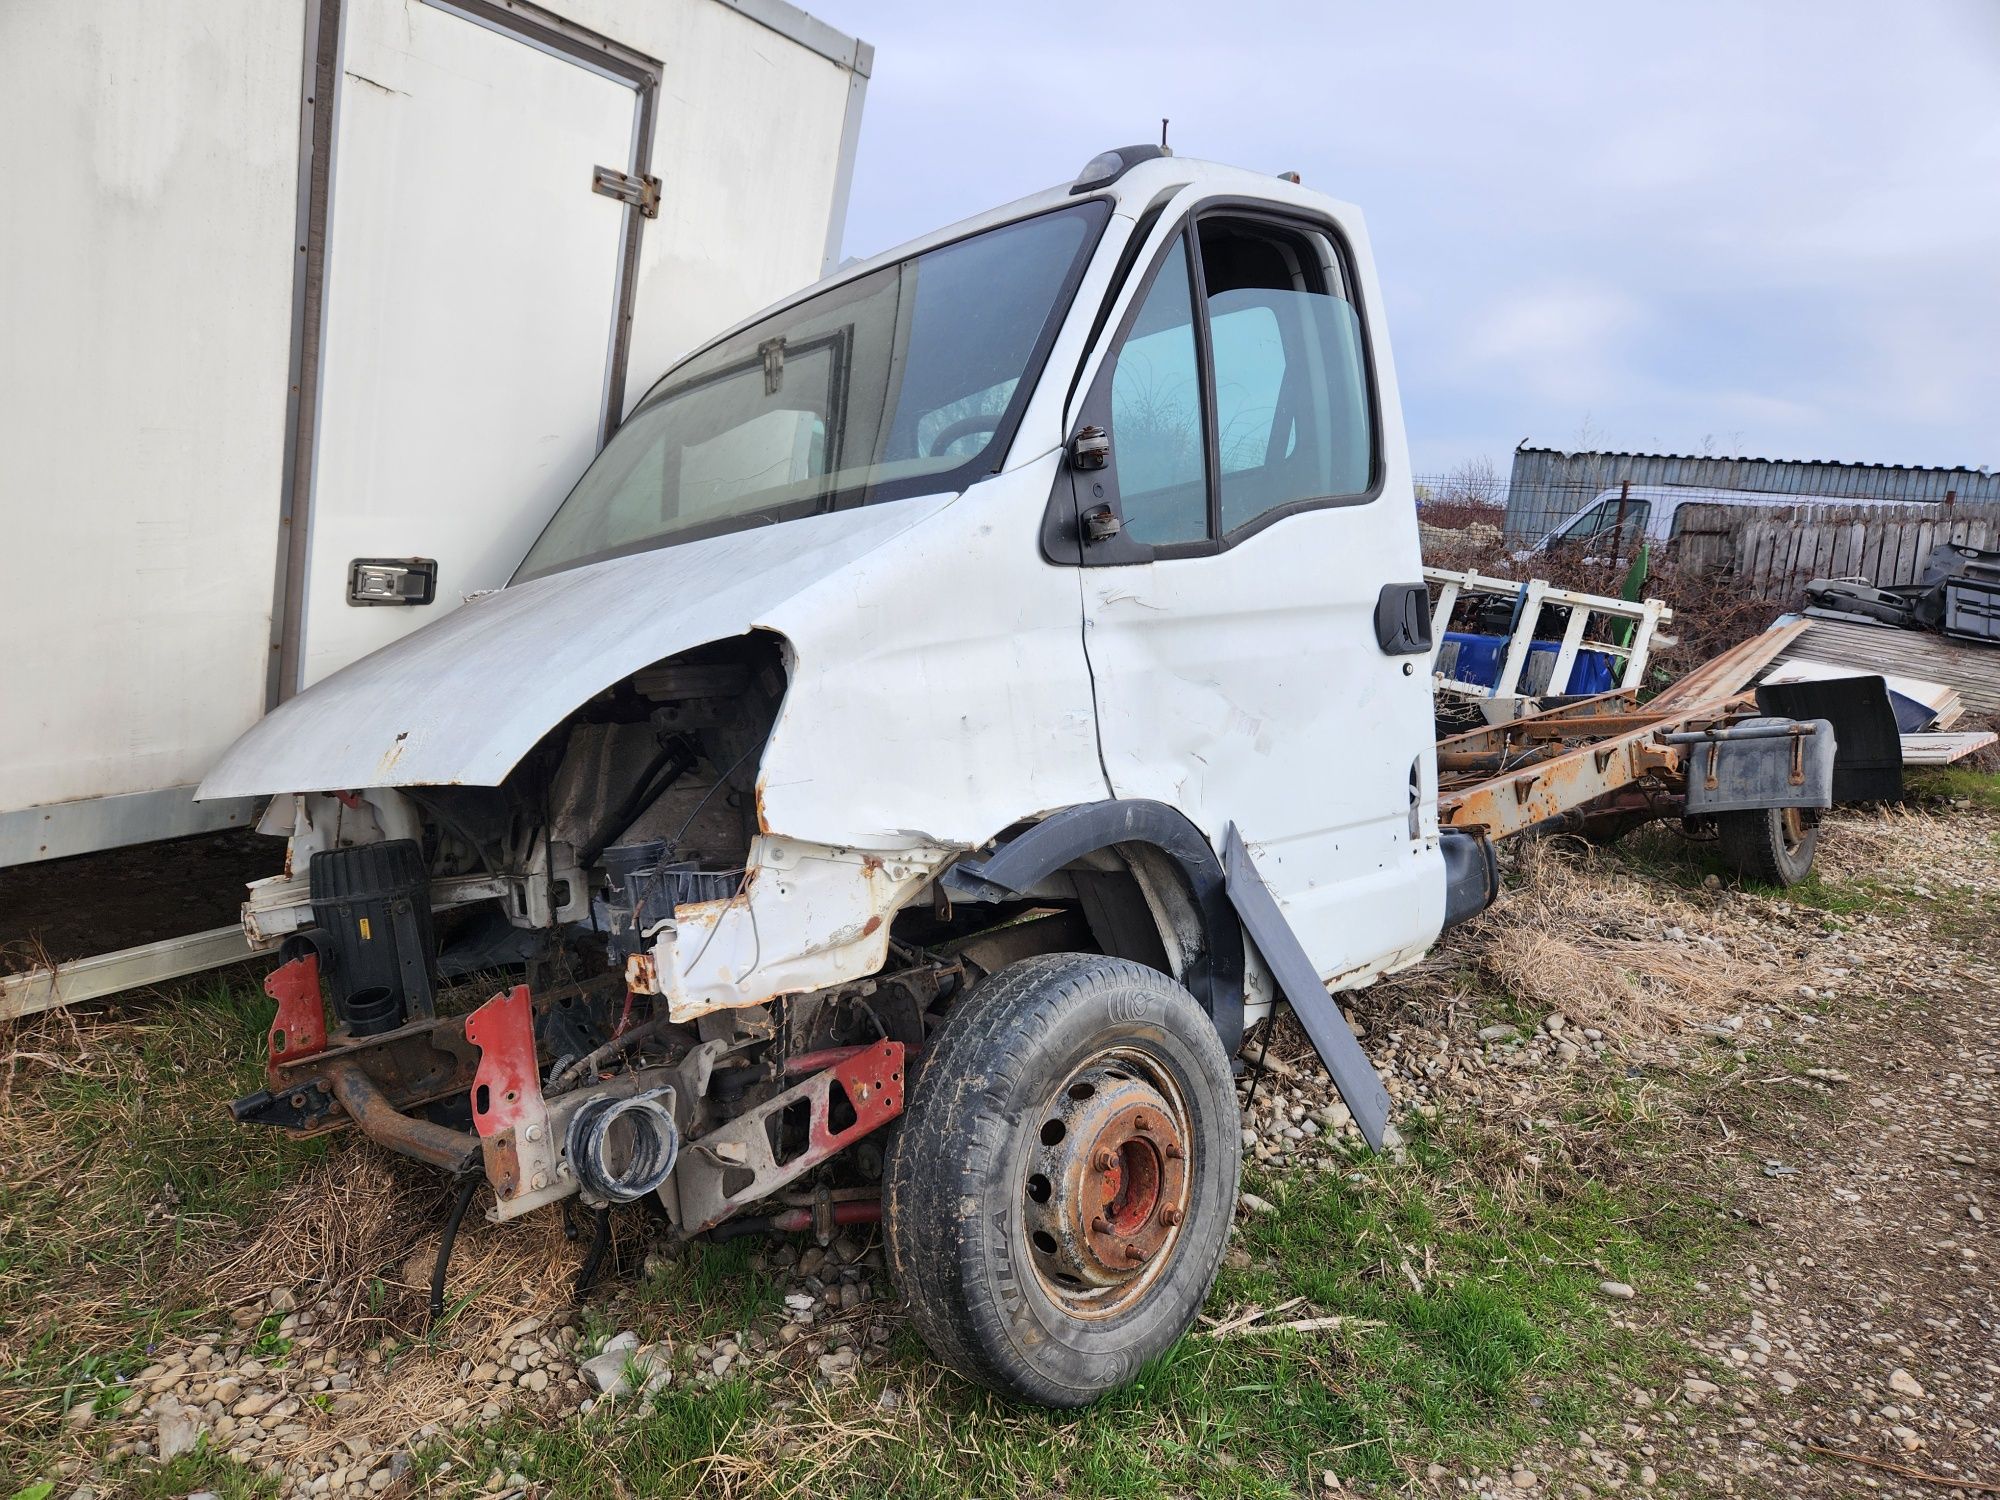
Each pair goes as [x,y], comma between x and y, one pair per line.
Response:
[1107,1185]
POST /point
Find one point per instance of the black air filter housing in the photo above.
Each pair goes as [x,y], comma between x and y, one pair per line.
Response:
[373,902]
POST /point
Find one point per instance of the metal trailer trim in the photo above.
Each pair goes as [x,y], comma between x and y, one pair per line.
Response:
[319,126]
[850,141]
[808,31]
[1353,1074]
[128,968]
[57,830]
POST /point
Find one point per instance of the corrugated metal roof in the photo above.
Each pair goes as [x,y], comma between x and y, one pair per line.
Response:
[1548,485]
[1718,458]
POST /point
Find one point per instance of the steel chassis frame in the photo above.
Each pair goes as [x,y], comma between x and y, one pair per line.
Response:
[1510,777]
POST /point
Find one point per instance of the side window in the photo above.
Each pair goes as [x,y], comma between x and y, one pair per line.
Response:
[1624,521]
[1156,414]
[1291,388]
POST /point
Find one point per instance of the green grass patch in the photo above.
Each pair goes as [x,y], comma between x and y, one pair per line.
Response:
[126,1169]
[1469,1275]
[191,1473]
[1953,784]
[717,1283]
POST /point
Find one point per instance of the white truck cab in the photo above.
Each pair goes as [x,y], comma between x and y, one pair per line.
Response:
[1007,656]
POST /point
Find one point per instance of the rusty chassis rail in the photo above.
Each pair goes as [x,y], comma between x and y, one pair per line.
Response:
[440,1146]
[1507,778]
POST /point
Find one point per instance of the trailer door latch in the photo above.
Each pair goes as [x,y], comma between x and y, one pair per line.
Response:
[392,580]
[642,192]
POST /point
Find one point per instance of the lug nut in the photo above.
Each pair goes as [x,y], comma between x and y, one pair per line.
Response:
[1104,1161]
[1141,1122]
[1173,1152]
[1134,1254]
[1100,1225]
[1171,1216]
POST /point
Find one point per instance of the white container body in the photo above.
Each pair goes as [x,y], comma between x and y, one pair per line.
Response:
[253,327]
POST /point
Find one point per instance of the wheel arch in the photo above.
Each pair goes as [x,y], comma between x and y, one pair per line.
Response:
[1158,858]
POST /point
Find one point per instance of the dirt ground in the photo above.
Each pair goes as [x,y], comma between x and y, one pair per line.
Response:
[1854,1345]
[1753,1137]
[94,903]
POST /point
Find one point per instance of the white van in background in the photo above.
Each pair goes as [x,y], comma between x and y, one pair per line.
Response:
[1617,520]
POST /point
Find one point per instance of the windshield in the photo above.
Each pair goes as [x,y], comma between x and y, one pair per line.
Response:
[906,381]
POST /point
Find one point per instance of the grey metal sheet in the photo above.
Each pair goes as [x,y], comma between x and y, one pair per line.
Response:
[60,829]
[1547,485]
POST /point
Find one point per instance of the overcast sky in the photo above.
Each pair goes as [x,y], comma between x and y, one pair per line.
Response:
[1771,229]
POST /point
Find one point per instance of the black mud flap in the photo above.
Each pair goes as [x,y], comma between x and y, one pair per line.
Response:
[1471,874]
[1868,763]
[1353,1074]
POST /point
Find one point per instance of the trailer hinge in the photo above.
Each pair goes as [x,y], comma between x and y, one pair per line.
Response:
[642,192]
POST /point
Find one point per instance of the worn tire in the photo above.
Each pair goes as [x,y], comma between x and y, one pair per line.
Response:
[968,1152]
[1772,846]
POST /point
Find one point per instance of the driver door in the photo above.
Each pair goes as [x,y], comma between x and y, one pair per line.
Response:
[1254,504]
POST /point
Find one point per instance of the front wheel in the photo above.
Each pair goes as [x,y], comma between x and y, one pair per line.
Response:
[1059,1192]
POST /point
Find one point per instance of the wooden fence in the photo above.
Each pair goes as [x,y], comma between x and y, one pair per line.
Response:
[1772,551]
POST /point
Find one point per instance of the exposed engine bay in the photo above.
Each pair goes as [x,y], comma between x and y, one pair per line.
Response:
[681,1005]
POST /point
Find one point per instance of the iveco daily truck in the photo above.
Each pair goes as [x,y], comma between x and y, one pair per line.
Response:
[950,702]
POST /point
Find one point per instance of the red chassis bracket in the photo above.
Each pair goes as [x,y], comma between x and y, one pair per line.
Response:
[299,1028]
[736,1164]
[507,1106]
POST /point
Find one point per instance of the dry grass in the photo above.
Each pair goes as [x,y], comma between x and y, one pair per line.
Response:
[1581,933]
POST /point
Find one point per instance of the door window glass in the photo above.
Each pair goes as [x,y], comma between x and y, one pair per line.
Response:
[1291,390]
[1156,418]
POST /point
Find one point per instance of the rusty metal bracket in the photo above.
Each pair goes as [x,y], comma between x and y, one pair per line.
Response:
[641,190]
[377,1118]
[736,1163]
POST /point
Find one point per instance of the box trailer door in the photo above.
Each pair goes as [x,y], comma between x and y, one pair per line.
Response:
[472,294]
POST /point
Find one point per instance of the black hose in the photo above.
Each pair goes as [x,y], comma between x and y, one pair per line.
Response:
[593,1258]
[735,1229]
[450,1237]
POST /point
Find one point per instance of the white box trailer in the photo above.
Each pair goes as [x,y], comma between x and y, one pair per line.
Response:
[311,311]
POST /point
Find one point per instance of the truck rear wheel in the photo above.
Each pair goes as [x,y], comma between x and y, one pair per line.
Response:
[1059,1191]
[1770,845]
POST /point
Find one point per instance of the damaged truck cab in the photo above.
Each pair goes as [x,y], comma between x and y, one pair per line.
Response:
[951,702]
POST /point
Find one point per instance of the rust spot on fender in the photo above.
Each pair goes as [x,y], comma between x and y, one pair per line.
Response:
[871,924]
[393,754]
